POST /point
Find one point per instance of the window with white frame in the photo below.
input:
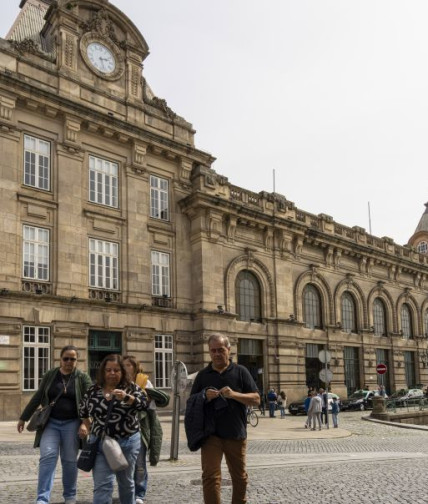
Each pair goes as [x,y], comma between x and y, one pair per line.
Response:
[160,274]
[103,181]
[37,154]
[35,355]
[35,253]
[422,247]
[159,198]
[163,360]
[103,264]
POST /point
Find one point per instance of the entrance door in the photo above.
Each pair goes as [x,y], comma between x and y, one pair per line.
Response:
[250,355]
[313,366]
[101,344]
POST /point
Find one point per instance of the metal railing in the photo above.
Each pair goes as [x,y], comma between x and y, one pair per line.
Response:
[412,404]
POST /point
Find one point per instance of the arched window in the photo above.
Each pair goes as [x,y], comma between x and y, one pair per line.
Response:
[426,323]
[348,313]
[311,307]
[406,322]
[422,247]
[247,296]
[379,317]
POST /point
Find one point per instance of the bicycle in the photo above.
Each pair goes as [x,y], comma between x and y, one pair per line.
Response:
[252,417]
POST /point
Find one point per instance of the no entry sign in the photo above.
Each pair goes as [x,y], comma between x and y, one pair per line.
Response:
[381,369]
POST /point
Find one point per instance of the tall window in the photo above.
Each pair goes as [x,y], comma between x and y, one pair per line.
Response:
[247,290]
[352,368]
[103,264]
[311,307]
[348,313]
[103,181]
[426,323]
[406,322]
[35,253]
[163,360]
[159,198]
[379,318]
[35,356]
[409,368]
[422,247]
[36,162]
[160,274]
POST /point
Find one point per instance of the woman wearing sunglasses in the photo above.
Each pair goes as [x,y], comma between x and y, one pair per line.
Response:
[60,437]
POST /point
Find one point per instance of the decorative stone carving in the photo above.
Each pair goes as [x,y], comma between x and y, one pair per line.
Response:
[103,26]
[27,45]
[7,106]
[72,128]
[156,102]
[69,51]
[135,80]
[139,154]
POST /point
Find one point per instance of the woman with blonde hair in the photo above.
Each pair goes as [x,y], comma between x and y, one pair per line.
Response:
[151,430]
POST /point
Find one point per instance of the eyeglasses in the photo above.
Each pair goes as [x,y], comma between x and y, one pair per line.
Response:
[66,359]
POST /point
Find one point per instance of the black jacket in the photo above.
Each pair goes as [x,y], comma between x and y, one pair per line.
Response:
[198,420]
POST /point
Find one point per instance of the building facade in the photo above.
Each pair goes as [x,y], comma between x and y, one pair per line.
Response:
[119,236]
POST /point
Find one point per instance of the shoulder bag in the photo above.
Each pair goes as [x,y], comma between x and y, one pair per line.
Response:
[41,416]
[111,448]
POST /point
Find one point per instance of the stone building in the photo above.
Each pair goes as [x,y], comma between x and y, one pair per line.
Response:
[118,236]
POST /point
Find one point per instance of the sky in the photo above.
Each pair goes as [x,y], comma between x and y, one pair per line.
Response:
[331,96]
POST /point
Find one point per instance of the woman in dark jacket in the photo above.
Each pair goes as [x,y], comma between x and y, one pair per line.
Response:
[60,435]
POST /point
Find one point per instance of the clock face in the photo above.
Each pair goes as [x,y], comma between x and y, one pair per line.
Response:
[101,57]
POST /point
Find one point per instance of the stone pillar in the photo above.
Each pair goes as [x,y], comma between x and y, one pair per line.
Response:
[379,408]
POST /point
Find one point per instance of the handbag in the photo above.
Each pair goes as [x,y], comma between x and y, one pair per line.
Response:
[86,460]
[111,448]
[41,416]
[114,454]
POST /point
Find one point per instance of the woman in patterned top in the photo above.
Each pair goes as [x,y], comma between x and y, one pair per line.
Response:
[113,384]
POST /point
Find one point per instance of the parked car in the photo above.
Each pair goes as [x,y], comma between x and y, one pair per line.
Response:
[359,400]
[298,408]
[405,397]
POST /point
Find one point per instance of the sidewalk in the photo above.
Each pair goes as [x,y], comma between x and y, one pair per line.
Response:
[290,427]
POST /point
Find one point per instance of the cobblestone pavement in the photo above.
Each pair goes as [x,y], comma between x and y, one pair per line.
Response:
[378,463]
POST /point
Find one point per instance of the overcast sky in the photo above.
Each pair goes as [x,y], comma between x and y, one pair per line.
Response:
[332,95]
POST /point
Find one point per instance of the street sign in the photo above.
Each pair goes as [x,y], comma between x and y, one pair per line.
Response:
[381,369]
[326,375]
[324,356]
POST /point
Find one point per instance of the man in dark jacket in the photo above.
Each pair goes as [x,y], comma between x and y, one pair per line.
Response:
[229,389]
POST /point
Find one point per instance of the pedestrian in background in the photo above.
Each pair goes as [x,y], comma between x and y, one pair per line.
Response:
[151,430]
[272,398]
[314,412]
[60,435]
[324,401]
[335,411]
[306,404]
[282,403]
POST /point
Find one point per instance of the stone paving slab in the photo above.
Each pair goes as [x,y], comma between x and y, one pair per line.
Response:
[359,463]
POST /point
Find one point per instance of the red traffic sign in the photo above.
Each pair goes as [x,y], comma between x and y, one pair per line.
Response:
[381,369]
